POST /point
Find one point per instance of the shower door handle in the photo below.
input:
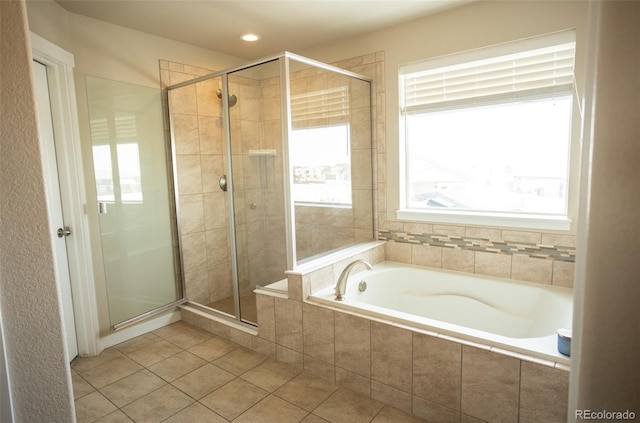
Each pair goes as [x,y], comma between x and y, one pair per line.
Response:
[223,182]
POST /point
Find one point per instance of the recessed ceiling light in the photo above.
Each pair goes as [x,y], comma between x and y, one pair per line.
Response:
[250,37]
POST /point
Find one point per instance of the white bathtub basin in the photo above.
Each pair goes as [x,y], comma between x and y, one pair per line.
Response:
[517,316]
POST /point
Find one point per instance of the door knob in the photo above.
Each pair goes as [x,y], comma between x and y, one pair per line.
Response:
[62,232]
[223,182]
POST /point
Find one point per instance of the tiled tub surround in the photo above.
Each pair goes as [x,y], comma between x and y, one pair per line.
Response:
[438,378]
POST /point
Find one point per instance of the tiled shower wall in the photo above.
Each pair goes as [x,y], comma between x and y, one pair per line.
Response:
[258,179]
[203,207]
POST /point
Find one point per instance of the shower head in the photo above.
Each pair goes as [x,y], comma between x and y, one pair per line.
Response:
[232,98]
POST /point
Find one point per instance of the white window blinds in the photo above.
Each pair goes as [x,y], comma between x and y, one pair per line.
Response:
[311,108]
[536,67]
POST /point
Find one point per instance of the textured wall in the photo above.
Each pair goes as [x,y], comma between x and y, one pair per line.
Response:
[29,295]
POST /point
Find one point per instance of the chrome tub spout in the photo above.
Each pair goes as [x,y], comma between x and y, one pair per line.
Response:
[341,286]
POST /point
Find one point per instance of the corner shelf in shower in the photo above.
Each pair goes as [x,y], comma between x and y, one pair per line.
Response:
[262,153]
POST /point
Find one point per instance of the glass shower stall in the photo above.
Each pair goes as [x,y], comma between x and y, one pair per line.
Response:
[273,167]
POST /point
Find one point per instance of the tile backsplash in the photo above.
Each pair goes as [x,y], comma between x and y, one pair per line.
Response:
[527,256]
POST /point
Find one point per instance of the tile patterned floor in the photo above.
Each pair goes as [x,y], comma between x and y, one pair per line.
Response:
[180,373]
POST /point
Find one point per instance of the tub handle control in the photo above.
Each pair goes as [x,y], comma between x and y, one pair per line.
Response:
[362,286]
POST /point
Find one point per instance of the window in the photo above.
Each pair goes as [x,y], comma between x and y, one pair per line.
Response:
[487,135]
[319,147]
[127,160]
[321,163]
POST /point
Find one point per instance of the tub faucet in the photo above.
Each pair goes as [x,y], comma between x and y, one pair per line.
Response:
[341,286]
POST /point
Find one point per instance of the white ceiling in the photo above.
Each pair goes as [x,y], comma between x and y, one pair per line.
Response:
[291,25]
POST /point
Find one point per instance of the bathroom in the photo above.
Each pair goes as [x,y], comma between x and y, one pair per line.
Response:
[98,50]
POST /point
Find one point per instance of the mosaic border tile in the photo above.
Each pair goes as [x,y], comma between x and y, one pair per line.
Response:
[542,251]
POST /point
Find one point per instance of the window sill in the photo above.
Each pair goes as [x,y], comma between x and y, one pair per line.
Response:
[520,221]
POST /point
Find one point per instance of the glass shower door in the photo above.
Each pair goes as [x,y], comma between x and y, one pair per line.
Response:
[199,153]
[258,187]
[131,179]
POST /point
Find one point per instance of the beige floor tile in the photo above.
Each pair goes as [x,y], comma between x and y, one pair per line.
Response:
[234,398]
[183,334]
[115,417]
[82,364]
[240,360]
[272,409]
[203,380]
[177,366]
[196,413]
[93,406]
[306,391]
[468,419]
[134,344]
[270,374]
[80,386]
[312,418]
[393,415]
[111,371]
[172,330]
[155,352]
[158,405]
[213,348]
[132,387]
[346,406]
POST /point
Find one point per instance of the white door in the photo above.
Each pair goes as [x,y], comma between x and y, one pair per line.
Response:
[58,229]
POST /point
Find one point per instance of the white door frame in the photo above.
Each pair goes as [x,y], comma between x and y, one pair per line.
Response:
[56,217]
[60,64]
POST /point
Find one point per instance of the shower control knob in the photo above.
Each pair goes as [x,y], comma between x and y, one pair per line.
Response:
[223,182]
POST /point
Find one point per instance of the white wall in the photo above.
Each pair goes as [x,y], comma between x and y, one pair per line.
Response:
[29,295]
[607,338]
[467,27]
[114,52]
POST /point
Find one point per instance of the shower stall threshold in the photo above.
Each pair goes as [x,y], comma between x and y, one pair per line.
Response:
[219,317]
